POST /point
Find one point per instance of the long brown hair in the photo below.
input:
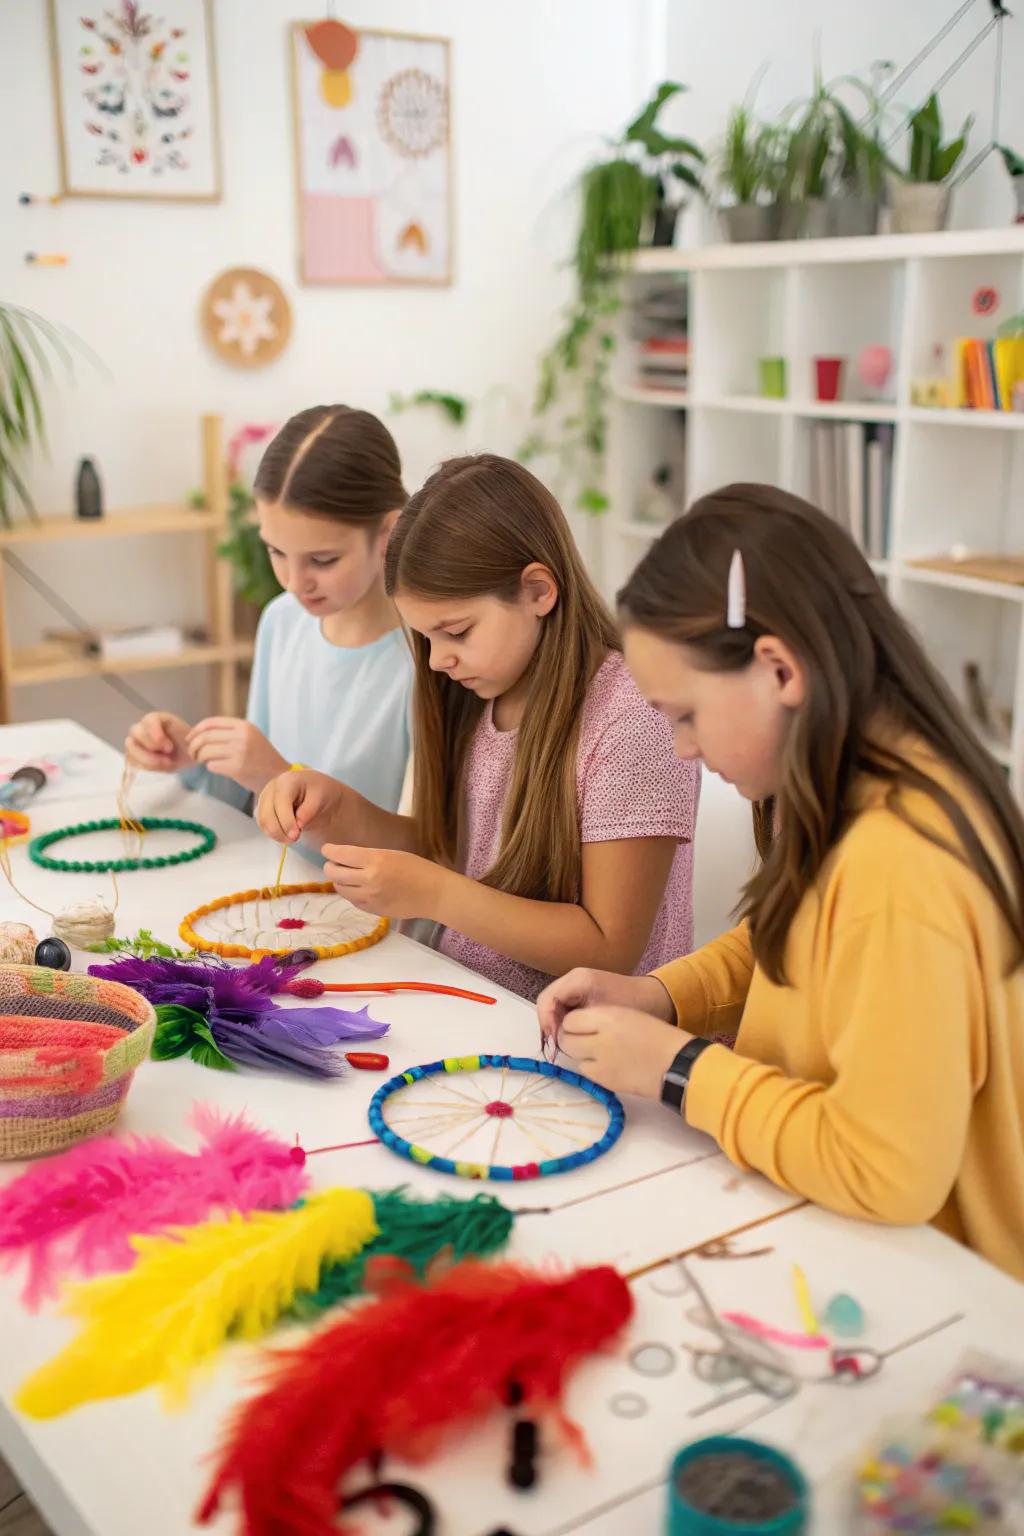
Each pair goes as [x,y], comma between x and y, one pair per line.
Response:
[471,531]
[868,683]
[333,461]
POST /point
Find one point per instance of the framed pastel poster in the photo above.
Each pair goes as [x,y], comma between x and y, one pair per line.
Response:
[373,161]
[136,95]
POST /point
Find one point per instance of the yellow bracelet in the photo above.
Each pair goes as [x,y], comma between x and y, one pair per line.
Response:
[297,768]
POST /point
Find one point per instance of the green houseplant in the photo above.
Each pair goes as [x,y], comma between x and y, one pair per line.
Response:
[630,196]
[1015,170]
[919,195]
[749,170]
[25,338]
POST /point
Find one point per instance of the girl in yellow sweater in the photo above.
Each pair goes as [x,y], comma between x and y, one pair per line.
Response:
[875,982]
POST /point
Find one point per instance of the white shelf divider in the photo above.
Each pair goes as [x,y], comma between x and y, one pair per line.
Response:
[950,485]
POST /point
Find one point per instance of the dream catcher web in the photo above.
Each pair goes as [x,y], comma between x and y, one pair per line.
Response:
[282,919]
[496,1117]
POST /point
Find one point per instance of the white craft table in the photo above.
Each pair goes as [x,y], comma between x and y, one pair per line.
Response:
[117,1468]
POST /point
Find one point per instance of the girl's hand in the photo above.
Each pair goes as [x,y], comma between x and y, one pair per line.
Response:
[159,742]
[237,750]
[291,803]
[583,988]
[384,880]
[626,1051]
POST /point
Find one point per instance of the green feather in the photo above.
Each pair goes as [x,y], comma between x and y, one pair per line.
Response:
[181,1031]
[416,1231]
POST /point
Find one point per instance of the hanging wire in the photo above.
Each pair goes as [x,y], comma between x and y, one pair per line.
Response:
[135,699]
[922,54]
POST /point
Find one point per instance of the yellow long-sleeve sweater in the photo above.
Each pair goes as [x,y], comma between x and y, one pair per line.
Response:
[887,1080]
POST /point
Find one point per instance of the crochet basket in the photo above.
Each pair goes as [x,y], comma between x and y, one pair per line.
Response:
[69,1046]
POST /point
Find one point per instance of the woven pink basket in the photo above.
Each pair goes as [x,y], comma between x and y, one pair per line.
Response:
[69,1046]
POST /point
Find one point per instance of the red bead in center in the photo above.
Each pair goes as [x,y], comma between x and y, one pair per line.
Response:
[499,1109]
[292,922]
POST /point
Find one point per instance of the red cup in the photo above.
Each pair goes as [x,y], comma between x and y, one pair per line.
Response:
[828,376]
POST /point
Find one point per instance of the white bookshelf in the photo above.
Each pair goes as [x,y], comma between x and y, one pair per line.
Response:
[957,475]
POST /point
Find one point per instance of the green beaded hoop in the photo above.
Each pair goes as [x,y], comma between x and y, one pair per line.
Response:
[38,846]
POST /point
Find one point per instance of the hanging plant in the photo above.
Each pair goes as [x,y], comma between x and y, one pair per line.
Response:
[637,189]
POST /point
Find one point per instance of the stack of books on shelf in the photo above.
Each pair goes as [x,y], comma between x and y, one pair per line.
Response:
[990,374]
[662,340]
[851,479]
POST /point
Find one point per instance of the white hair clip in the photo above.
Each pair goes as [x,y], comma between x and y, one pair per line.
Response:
[736,597]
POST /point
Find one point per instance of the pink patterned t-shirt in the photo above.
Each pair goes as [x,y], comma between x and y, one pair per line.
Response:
[629,784]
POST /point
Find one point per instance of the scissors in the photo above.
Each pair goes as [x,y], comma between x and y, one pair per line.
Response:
[739,1358]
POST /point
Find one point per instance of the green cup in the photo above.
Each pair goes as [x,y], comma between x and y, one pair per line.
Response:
[772,373]
[685,1520]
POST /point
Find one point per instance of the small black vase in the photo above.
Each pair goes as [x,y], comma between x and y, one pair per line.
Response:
[88,492]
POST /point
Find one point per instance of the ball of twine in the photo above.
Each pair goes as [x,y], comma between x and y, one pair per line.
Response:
[84,923]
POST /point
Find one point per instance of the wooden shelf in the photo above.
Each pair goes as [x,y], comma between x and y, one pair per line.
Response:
[55,663]
[114,525]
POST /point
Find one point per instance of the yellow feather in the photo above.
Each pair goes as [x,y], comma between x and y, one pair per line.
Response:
[190,1291]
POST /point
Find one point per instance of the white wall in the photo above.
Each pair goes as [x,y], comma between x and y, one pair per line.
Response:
[718,48]
[536,82]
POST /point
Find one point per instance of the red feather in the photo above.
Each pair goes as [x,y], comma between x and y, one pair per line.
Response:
[397,1375]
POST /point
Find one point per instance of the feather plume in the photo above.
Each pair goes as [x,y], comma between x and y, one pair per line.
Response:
[187,1293]
[414,1234]
[397,1375]
[223,1016]
[76,1213]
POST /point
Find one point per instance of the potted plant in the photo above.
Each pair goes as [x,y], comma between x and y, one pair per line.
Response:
[803,174]
[855,201]
[631,196]
[919,196]
[748,171]
[1015,170]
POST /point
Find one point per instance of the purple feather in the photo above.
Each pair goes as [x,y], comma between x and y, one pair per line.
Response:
[311,1041]
[247,1026]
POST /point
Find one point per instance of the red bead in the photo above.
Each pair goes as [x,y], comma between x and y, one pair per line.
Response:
[297,1155]
[305,986]
[292,922]
[367,1061]
[500,1109]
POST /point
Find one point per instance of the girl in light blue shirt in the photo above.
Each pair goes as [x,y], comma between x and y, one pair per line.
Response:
[332,672]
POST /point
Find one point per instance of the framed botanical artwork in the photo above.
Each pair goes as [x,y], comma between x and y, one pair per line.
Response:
[136,96]
[373,155]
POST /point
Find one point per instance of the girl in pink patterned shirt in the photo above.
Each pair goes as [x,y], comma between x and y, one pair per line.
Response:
[552,824]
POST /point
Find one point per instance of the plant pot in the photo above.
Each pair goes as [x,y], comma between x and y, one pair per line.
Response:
[918,207]
[790,220]
[748,221]
[815,219]
[1017,182]
[663,228]
[852,214]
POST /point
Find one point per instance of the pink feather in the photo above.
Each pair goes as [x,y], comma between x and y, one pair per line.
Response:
[77,1213]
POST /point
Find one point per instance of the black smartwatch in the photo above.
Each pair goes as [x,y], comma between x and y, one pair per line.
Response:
[677,1079]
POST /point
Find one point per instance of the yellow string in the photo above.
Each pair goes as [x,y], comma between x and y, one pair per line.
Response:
[130,825]
[5,865]
[276,887]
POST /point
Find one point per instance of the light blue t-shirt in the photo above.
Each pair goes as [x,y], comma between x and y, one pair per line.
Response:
[343,711]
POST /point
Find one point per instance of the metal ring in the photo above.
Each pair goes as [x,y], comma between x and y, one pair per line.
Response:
[402,1493]
[653,1359]
[628,1405]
